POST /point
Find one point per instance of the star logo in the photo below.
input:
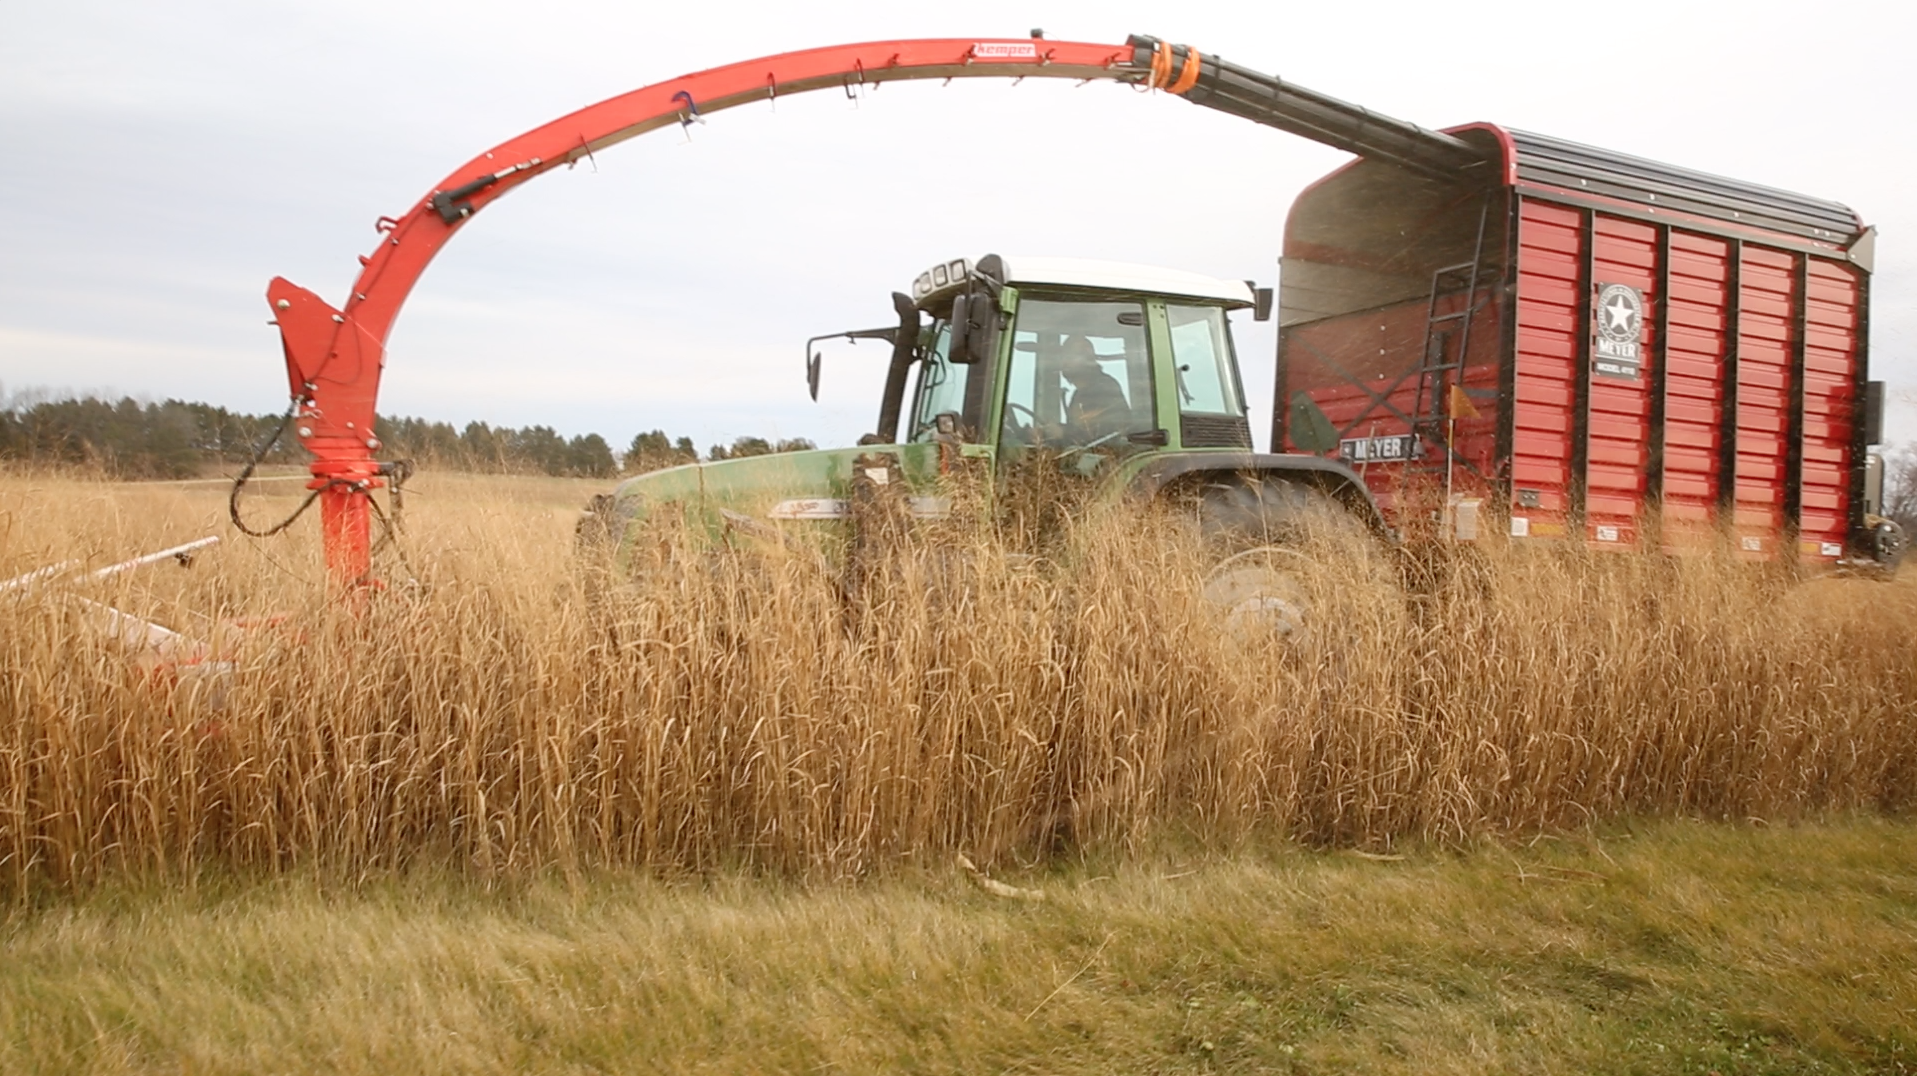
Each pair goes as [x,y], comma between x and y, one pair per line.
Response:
[1621,312]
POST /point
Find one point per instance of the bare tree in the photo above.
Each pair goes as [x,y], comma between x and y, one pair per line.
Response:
[1900,486]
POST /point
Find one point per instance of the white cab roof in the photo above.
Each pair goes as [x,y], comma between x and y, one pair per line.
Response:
[1123,276]
[947,278]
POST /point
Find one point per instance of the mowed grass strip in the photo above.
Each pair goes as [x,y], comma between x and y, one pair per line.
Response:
[1670,947]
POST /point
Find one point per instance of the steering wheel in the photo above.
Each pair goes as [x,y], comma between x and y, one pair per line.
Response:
[1025,427]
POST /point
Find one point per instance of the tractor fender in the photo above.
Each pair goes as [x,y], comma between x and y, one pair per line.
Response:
[1330,477]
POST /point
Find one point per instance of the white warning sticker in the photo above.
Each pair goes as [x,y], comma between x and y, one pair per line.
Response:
[811,508]
[1520,527]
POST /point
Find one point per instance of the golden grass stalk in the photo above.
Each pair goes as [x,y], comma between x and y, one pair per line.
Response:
[735,708]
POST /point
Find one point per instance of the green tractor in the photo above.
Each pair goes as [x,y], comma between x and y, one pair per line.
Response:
[1114,379]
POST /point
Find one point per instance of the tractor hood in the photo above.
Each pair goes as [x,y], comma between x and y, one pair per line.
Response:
[784,486]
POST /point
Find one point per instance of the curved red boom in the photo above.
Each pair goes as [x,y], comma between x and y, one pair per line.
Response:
[334,356]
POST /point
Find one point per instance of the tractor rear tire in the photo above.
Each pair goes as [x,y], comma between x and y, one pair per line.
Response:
[1255,512]
[1288,560]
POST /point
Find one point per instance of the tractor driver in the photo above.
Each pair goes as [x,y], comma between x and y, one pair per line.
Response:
[1097,407]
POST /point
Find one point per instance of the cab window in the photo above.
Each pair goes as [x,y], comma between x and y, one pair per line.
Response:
[1080,375]
[941,386]
[1202,357]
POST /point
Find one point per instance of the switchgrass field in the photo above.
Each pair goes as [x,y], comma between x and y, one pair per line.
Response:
[507,712]
[1544,810]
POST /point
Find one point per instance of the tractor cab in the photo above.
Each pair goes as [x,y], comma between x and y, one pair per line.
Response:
[1093,360]
[1112,373]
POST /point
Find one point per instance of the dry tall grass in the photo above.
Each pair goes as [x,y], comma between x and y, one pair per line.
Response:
[736,710]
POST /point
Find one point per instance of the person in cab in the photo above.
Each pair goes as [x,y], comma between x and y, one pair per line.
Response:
[1097,407]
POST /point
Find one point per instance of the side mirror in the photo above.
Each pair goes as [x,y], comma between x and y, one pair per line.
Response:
[959,346]
[891,334]
[1261,304]
[972,322]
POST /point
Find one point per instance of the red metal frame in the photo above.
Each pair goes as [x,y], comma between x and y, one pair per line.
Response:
[334,355]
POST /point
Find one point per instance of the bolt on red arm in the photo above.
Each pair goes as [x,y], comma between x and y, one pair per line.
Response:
[334,355]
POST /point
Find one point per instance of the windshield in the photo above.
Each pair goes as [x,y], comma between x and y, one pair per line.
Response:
[941,385]
[1080,375]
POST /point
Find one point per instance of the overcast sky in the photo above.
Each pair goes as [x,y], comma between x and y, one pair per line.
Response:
[160,162]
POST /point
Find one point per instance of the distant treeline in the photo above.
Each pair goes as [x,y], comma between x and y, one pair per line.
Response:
[178,439]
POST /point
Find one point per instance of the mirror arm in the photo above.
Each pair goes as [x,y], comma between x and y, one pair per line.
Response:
[992,284]
[813,358]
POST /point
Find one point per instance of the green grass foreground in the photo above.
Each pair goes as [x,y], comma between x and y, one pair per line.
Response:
[1669,947]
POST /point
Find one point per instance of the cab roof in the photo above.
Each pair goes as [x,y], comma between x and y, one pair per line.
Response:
[931,287]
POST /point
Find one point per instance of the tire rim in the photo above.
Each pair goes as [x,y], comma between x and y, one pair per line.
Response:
[1260,590]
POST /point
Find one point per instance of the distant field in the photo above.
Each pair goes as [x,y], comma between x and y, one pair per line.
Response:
[1651,948]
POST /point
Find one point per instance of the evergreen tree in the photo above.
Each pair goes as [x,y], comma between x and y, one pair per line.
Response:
[653,450]
[589,456]
[647,451]
[539,449]
[429,444]
[480,449]
[177,438]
